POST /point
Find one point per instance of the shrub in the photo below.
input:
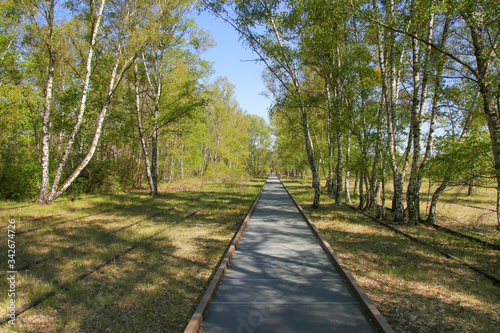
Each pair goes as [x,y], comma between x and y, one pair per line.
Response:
[19,176]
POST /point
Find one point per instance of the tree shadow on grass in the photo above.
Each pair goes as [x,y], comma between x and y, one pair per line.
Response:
[152,288]
[417,289]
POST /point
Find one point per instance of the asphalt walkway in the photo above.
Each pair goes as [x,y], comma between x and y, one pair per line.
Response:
[281,280]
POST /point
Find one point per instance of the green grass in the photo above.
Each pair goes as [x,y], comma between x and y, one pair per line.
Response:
[416,288]
[154,287]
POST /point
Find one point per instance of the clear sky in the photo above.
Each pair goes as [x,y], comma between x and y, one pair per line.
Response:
[227,58]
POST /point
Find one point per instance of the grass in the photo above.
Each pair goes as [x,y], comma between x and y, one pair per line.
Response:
[155,287]
[472,215]
[416,288]
[456,211]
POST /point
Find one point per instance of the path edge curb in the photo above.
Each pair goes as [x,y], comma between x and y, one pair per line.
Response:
[196,320]
[377,318]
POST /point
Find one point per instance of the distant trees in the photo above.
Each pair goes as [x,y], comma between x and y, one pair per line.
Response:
[268,33]
[259,145]
[225,129]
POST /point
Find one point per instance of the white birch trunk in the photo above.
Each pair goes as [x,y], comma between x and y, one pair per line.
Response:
[83,102]
[348,171]
[340,160]
[154,144]
[45,152]
[114,81]
[416,125]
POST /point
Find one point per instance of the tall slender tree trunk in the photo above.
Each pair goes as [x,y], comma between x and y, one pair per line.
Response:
[310,157]
[290,67]
[347,169]
[420,87]
[378,156]
[382,204]
[156,92]
[372,189]
[412,195]
[485,82]
[397,201]
[154,156]
[390,92]
[330,182]
[141,130]
[45,153]
[366,175]
[398,206]
[361,193]
[431,218]
[355,187]
[436,99]
[378,190]
[340,159]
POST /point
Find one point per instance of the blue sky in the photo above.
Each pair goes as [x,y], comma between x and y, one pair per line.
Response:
[226,57]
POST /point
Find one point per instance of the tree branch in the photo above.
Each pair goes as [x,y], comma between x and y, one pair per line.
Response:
[423,40]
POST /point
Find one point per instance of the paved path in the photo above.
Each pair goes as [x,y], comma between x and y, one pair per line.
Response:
[281,280]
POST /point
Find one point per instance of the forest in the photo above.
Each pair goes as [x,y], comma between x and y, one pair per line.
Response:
[385,93]
[126,168]
[101,96]
[368,95]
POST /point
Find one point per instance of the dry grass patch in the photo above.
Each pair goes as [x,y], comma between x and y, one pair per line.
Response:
[473,215]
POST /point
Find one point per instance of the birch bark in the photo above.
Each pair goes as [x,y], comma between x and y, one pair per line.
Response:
[416,125]
[338,188]
[486,88]
[83,102]
[154,142]
[45,151]
[391,77]
[348,171]
[55,192]
[115,79]
[416,177]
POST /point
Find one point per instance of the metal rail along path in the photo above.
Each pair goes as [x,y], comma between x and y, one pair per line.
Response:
[280,275]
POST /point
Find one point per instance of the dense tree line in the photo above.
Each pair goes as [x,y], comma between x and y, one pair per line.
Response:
[380,91]
[106,94]
[101,95]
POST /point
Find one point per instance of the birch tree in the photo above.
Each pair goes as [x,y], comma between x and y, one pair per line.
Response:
[168,68]
[390,58]
[482,20]
[123,49]
[433,65]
